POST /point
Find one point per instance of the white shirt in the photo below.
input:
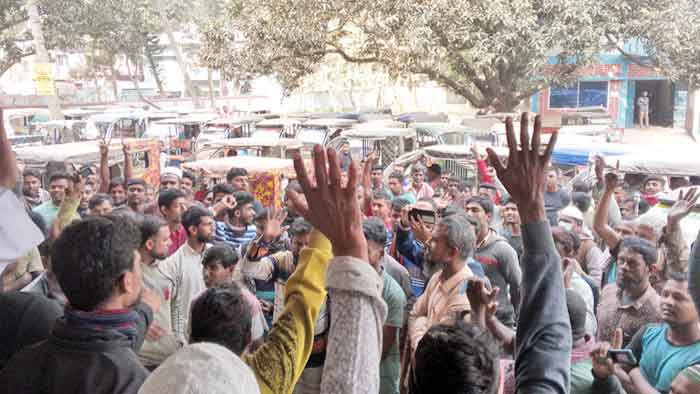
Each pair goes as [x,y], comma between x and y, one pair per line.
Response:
[18,234]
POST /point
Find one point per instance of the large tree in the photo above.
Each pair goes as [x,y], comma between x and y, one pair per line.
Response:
[492,52]
[667,30]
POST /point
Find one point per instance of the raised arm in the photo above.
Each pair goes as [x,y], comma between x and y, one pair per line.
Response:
[128,163]
[543,338]
[8,165]
[104,168]
[676,247]
[279,362]
[600,220]
[355,336]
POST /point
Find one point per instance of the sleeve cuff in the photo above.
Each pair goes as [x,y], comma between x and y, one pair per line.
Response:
[347,273]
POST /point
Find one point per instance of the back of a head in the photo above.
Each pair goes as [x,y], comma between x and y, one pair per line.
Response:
[374,230]
[581,200]
[460,233]
[243,198]
[89,257]
[456,360]
[202,368]
[222,315]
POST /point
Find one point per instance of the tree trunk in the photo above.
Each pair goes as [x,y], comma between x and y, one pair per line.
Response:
[115,86]
[154,70]
[212,101]
[135,81]
[42,55]
[178,55]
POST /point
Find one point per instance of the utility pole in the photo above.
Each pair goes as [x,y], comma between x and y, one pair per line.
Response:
[42,55]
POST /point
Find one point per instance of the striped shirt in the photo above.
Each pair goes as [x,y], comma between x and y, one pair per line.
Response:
[234,238]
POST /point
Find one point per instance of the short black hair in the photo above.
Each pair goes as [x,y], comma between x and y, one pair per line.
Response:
[114,182]
[88,273]
[189,175]
[261,215]
[242,198]
[461,359]
[136,181]
[485,203]
[382,194]
[220,253]
[430,201]
[581,186]
[397,175]
[193,217]
[643,206]
[31,172]
[235,172]
[223,316]
[149,226]
[168,196]
[398,203]
[60,175]
[435,168]
[300,226]
[374,230]
[581,201]
[642,247]
[99,199]
[224,188]
[508,200]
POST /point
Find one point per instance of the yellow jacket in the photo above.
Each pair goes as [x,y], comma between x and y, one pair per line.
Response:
[279,362]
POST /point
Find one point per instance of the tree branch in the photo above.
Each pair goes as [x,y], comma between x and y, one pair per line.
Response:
[634,59]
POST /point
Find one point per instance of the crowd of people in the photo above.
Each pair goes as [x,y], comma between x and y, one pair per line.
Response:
[419,282]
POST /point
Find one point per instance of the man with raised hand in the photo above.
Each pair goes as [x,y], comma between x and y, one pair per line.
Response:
[355,338]
[543,337]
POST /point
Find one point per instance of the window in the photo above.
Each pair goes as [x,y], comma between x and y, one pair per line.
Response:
[580,95]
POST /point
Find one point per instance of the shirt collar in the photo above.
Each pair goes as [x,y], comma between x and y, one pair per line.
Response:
[450,284]
[639,302]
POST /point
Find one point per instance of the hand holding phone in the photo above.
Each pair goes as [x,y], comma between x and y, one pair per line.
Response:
[622,356]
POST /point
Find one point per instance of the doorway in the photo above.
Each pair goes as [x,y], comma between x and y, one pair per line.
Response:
[660,102]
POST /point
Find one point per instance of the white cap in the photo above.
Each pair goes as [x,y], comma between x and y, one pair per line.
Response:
[571,212]
[171,171]
[202,368]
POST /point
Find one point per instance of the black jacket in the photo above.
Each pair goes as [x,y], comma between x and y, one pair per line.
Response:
[76,361]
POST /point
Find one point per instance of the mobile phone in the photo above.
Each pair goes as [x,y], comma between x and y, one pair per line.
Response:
[427,216]
[622,356]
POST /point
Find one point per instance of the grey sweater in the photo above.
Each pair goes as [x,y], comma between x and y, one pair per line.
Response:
[500,263]
[543,339]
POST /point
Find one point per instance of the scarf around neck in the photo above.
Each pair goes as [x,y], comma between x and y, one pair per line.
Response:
[122,320]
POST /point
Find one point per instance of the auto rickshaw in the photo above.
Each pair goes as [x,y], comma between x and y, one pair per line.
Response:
[267,176]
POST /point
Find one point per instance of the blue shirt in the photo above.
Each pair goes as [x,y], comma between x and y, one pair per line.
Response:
[660,360]
[234,238]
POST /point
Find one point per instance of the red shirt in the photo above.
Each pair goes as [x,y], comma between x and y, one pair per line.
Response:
[177,239]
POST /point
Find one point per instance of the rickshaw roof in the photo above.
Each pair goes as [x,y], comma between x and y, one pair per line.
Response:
[191,119]
[330,122]
[253,164]
[440,128]
[677,160]
[414,117]
[457,152]
[68,152]
[280,122]
[289,143]
[378,133]
[235,121]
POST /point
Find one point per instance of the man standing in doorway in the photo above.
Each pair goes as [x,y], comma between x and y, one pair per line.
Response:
[643,105]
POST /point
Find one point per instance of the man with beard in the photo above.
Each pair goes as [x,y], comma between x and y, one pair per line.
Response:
[117,191]
[85,196]
[91,348]
[100,205]
[663,350]
[172,204]
[632,302]
[237,228]
[185,266]
[445,299]
[135,199]
[160,341]
[34,195]
[419,188]
[58,183]
[498,258]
